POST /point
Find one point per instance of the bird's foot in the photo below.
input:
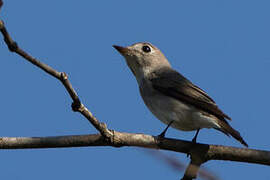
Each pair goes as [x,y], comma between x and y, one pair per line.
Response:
[194,140]
[162,135]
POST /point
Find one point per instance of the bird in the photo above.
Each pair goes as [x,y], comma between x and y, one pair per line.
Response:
[172,98]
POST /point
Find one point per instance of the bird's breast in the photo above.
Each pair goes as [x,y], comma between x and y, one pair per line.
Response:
[168,109]
[186,117]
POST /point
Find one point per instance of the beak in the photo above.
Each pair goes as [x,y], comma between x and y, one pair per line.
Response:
[124,51]
[121,50]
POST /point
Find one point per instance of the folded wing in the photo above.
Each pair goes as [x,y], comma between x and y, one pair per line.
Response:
[172,83]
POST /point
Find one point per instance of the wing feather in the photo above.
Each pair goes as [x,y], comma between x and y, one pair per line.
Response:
[172,83]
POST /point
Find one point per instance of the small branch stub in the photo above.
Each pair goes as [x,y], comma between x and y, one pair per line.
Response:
[1,4]
[200,153]
[76,105]
[197,156]
[12,45]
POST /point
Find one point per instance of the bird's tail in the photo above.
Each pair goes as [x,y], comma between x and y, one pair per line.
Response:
[229,131]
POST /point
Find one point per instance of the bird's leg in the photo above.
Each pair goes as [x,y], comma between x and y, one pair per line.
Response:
[194,140]
[162,135]
[195,137]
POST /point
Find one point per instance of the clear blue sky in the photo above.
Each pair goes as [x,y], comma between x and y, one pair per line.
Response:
[222,46]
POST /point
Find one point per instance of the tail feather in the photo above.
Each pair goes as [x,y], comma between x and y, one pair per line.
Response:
[229,131]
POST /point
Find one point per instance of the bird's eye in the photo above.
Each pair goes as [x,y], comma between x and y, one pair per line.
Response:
[146,49]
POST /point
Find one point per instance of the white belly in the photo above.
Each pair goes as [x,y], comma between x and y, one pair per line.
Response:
[184,117]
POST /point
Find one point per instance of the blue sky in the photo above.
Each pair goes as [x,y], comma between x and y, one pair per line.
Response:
[222,46]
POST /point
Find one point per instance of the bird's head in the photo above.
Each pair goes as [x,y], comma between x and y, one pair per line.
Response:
[143,58]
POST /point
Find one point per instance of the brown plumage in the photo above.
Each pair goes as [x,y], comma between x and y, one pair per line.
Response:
[171,97]
[172,83]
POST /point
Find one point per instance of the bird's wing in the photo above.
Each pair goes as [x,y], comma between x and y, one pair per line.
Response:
[172,83]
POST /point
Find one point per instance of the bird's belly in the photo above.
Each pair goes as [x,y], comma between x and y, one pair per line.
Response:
[185,117]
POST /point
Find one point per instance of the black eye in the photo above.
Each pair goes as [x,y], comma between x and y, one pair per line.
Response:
[146,49]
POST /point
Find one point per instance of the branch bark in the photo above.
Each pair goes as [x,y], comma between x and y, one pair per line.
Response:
[61,76]
[177,165]
[1,4]
[200,153]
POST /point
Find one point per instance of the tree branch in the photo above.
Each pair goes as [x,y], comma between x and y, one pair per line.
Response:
[61,76]
[1,4]
[194,165]
[176,165]
[200,153]
[204,152]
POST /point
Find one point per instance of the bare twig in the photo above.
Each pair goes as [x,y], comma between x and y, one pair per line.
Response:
[1,4]
[61,76]
[194,165]
[200,153]
[203,152]
[178,166]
